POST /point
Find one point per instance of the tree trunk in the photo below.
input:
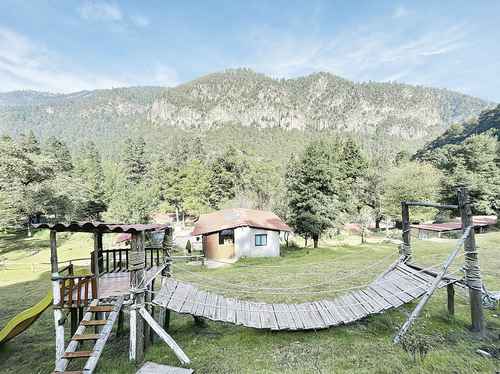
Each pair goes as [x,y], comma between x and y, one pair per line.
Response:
[177,214]
[29,227]
[378,219]
[315,240]
[305,241]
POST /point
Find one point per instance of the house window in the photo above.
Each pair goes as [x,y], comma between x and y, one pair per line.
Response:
[260,240]
[226,237]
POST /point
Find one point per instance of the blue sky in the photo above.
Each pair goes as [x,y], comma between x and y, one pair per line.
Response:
[65,46]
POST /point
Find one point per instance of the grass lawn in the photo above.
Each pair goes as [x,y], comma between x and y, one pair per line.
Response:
[363,347]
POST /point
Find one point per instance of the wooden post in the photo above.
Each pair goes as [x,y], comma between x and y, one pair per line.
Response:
[451,299]
[97,250]
[119,330]
[164,314]
[74,320]
[472,270]
[136,264]
[151,331]
[405,221]
[57,297]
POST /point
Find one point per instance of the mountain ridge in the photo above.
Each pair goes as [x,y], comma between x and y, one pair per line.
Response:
[319,101]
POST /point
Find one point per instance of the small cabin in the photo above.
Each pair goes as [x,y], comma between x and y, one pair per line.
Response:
[452,229]
[235,233]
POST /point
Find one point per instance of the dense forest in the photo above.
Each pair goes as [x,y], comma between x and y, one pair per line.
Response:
[317,179]
[328,181]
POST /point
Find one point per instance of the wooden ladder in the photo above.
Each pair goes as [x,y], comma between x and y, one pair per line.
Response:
[100,338]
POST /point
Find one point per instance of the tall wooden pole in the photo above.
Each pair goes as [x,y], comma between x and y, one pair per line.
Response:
[97,252]
[56,292]
[405,221]
[136,267]
[472,270]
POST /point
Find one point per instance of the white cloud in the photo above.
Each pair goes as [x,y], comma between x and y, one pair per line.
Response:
[100,11]
[24,65]
[140,21]
[369,52]
[400,12]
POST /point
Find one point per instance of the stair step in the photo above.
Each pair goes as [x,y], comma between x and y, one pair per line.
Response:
[77,354]
[94,322]
[101,308]
[86,337]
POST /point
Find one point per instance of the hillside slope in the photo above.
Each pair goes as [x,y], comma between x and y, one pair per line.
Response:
[242,97]
[487,122]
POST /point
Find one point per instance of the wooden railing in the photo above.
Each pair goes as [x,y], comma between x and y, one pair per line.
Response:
[77,290]
[116,259]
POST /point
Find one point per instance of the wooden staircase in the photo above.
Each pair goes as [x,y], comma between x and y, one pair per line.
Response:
[100,336]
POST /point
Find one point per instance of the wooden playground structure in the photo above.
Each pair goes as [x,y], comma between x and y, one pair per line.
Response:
[125,278]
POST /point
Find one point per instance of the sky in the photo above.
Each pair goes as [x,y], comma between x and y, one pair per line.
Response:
[66,46]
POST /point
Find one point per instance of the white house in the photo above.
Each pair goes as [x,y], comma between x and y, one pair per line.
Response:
[239,233]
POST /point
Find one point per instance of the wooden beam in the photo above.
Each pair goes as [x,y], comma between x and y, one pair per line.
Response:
[420,306]
[57,297]
[430,205]
[451,299]
[472,271]
[166,338]
[137,275]
[405,220]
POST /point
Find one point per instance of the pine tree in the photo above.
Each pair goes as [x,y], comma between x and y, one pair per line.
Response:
[320,186]
[134,160]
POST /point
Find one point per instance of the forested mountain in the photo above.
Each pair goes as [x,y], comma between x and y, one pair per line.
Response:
[488,122]
[241,99]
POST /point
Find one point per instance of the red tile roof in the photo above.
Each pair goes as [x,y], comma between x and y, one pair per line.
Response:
[457,225]
[238,217]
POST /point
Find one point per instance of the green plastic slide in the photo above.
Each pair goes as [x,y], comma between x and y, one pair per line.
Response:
[25,319]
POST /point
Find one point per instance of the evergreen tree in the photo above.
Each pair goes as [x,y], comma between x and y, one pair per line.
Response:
[89,169]
[320,186]
[134,160]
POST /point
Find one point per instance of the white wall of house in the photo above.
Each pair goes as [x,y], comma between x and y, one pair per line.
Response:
[244,243]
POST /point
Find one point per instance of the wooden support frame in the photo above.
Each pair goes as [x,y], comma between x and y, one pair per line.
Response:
[451,299]
[470,248]
[405,221]
[136,346]
[57,297]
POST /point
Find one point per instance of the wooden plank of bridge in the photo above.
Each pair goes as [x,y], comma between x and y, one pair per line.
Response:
[342,303]
[354,306]
[179,297]
[375,303]
[388,285]
[417,283]
[283,318]
[268,317]
[335,311]
[253,315]
[297,318]
[316,317]
[201,296]
[231,315]
[404,285]
[425,278]
[209,310]
[165,294]
[334,317]
[377,298]
[363,303]
[389,297]
[188,304]
[219,308]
